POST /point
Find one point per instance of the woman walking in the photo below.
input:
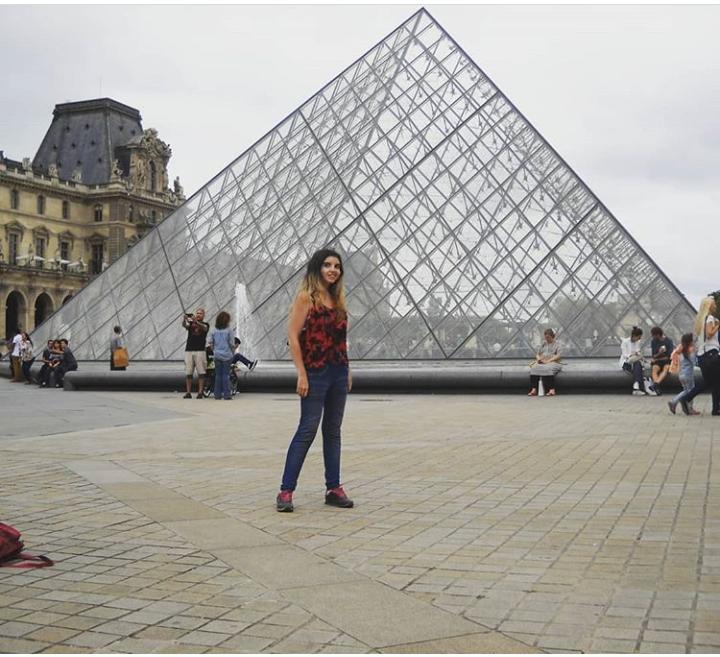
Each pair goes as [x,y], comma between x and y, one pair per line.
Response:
[546,365]
[116,342]
[317,335]
[221,343]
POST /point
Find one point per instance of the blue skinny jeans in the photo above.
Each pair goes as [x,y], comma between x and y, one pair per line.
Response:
[222,379]
[328,389]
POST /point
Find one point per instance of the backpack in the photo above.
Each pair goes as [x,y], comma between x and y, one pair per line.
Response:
[11,551]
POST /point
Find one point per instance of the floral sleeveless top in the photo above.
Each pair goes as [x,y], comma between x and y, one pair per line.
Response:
[323,340]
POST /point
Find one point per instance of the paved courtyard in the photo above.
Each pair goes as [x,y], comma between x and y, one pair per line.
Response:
[483,524]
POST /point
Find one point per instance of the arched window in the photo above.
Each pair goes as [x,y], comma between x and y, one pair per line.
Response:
[41,204]
[153,177]
[14,199]
[66,209]
[98,212]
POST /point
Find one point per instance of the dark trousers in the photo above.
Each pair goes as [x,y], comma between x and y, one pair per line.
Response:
[710,368]
[45,372]
[636,369]
[60,372]
[221,385]
[325,399]
[240,358]
[547,379]
[26,365]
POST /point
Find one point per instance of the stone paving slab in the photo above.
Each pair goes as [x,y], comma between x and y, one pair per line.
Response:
[565,524]
[376,614]
[487,642]
[222,534]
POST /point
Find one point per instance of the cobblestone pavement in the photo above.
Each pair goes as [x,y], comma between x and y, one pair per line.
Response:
[484,524]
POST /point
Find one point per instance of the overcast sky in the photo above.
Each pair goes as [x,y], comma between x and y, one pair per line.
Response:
[629,96]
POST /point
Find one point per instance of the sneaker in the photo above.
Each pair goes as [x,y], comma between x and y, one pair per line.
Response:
[284,501]
[639,393]
[636,386]
[187,395]
[672,406]
[694,412]
[200,395]
[253,365]
[337,497]
[685,406]
[652,391]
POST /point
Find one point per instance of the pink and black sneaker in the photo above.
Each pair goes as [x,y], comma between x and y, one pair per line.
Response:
[284,501]
[337,497]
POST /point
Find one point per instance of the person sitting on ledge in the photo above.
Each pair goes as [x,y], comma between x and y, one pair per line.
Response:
[631,361]
[546,365]
[661,348]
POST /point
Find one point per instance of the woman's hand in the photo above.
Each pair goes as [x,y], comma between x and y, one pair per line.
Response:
[303,387]
[349,380]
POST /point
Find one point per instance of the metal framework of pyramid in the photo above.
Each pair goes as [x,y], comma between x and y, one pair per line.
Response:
[464,233]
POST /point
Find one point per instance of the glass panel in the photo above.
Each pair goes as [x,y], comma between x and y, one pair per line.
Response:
[463,233]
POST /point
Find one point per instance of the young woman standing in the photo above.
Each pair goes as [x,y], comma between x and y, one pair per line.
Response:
[317,335]
[221,342]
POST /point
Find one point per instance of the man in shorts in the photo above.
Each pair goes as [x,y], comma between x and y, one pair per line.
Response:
[195,358]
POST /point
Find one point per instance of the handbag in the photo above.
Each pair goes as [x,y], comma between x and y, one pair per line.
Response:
[121,357]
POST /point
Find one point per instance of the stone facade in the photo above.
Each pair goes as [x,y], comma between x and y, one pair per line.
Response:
[97,184]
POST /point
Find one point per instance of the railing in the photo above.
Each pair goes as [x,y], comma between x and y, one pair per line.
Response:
[47,267]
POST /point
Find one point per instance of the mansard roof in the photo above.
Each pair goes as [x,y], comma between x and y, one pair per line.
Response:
[83,136]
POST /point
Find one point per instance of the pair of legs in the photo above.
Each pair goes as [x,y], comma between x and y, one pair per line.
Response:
[221,386]
[328,388]
[112,366]
[60,372]
[195,361]
[710,368]
[660,371]
[239,358]
[686,396]
[548,381]
[16,369]
[26,365]
[636,369]
[46,372]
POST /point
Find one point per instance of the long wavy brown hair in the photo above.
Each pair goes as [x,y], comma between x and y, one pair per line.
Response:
[312,284]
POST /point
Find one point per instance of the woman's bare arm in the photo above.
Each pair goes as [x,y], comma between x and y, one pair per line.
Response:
[298,313]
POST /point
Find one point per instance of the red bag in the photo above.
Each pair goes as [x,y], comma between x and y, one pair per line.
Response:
[11,551]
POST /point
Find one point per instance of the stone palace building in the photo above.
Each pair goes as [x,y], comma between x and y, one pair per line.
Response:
[96,185]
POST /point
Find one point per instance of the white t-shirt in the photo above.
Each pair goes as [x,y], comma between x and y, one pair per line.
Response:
[628,348]
[16,345]
[709,343]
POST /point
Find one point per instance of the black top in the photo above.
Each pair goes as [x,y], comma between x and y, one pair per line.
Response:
[68,358]
[197,334]
[655,345]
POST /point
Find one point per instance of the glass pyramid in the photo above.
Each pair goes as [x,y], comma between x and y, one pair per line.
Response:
[464,233]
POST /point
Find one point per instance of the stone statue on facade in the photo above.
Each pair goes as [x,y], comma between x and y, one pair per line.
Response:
[140,174]
[76,175]
[177,187]
[117,172]
[53,170]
